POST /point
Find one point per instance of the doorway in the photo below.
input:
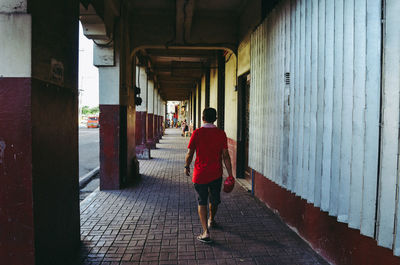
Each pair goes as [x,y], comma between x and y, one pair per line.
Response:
[242,166]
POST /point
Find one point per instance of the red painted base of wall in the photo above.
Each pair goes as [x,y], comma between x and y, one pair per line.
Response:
[162,126]
[150,131]
[39,191]
[140,127]
[333,240]
[142,150]
[55,172]
[110,147]
[132,164]
[16,191]
[232,148]
[156,129]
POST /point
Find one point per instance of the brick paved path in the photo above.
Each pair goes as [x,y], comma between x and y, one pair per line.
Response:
[156,221]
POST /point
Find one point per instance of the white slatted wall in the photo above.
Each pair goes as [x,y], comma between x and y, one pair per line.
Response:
[319,135]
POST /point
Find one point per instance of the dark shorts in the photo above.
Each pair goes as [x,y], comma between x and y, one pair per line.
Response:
[212,189]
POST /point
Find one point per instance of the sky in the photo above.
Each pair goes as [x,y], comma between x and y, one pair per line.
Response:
[88,73]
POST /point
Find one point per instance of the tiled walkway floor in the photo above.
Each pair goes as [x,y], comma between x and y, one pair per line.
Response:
[156,221]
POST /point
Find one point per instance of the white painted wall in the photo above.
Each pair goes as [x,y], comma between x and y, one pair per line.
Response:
[388,210]
[320,133]
[12,6]
[230,118]
[141,82]
[155,100]
[109,84]
[15,43]
[150,96]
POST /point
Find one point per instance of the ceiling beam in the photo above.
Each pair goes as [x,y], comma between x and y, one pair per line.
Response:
[183,79]
[182,82]
[184,18]
[177,86]
[180,17]
[188,19]
[182,53]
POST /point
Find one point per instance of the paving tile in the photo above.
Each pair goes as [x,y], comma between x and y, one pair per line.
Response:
[156,222]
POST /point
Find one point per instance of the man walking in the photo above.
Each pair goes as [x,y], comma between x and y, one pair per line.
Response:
[210,145]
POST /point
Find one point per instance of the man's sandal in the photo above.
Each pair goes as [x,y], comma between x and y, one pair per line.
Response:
[204,239]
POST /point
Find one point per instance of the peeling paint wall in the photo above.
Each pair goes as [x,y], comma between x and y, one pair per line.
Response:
[198,109]
[315,105]
[203,92]
[230,97]
[214,86]
[244,56]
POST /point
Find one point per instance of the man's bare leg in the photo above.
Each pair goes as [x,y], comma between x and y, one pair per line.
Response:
[213,212]
[202,210]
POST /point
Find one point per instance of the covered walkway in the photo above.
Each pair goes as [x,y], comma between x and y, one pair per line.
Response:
[155,221]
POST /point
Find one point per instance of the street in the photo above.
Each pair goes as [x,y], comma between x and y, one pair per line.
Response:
[88,150]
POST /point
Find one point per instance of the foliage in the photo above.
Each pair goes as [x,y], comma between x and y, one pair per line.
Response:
[90,111]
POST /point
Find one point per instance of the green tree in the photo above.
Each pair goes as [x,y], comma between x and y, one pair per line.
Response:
[90,111]
[95,110]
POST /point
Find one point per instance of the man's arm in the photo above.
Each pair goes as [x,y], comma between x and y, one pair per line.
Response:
[188,161]
[227,161]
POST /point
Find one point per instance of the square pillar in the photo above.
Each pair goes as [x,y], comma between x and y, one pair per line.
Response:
[142,149]
[156,136]
[113,122]
[150,114]
[39,191]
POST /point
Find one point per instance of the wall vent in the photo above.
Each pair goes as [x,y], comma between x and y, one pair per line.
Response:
[287,78]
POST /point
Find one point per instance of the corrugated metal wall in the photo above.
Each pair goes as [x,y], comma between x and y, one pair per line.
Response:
[315,109]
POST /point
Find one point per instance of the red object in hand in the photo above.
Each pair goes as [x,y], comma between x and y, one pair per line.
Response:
[229,183]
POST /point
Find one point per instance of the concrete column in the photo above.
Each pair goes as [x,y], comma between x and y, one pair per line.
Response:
[160,117]
[156,119]
[39,193]
[163,117]
[150,114]
[118,166]
[110,120]
[142,149]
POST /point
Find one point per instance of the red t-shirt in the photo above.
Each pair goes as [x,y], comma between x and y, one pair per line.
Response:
[208,143]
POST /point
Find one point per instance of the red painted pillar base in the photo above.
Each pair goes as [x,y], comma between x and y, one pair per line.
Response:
[150,131]
[156,129]
[162,125]
[16,190]
[160,122]
[142,149]
[335,241]
[129,141]
[110,147]
[118,163]
[39,193]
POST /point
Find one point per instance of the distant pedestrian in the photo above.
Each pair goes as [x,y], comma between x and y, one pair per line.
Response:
[211,147]
[184,127]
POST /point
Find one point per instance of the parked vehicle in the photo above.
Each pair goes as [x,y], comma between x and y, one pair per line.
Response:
[93,122]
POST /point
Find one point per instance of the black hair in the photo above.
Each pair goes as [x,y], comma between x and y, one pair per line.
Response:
[209,115]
